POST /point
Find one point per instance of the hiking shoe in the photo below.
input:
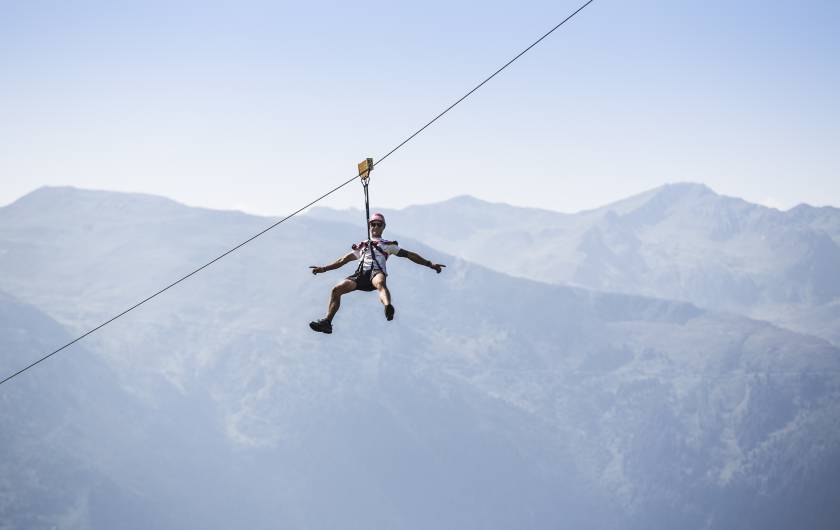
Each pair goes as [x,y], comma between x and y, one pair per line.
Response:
[323,325]
[389,312]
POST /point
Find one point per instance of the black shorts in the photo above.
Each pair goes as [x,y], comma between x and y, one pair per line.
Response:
[362,280]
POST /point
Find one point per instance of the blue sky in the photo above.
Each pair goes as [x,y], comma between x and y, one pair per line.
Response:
[262,106]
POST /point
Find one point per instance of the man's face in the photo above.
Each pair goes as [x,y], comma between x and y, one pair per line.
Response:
[376,228]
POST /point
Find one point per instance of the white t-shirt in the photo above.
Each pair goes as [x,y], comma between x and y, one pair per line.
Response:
[381,250]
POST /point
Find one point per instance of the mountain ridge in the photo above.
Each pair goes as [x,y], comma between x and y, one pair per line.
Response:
[504,402]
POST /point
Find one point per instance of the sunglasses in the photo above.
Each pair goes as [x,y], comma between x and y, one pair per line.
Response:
[376,223]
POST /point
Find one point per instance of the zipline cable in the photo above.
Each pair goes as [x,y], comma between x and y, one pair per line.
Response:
[468,94]
[176,282]
[240,245]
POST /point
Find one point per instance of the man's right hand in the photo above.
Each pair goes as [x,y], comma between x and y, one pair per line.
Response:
[316,269]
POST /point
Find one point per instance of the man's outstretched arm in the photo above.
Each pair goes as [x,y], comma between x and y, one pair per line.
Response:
[340,262]
[420,260]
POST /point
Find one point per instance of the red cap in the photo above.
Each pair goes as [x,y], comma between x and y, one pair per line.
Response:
[377,217]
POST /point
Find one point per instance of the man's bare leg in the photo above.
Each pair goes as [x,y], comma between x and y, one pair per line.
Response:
[378,281]
[342,288]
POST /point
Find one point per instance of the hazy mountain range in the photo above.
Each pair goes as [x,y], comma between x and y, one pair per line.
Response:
[496,399]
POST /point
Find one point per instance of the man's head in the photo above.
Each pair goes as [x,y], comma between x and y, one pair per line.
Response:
[376,224]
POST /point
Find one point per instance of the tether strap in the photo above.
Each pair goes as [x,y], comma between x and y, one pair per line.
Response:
[369,247]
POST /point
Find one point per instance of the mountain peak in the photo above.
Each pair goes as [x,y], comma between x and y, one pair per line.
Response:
[57,194]
[682,191]
[58,205]
[466,199]
[689,187]
[659,197]
[47,193]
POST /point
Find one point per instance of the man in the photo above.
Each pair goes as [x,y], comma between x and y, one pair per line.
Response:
[370,275]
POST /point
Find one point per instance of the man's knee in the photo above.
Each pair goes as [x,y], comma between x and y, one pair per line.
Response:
[343,288]
[379,281]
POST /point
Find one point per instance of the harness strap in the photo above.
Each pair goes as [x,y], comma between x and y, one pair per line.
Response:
[369,246]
